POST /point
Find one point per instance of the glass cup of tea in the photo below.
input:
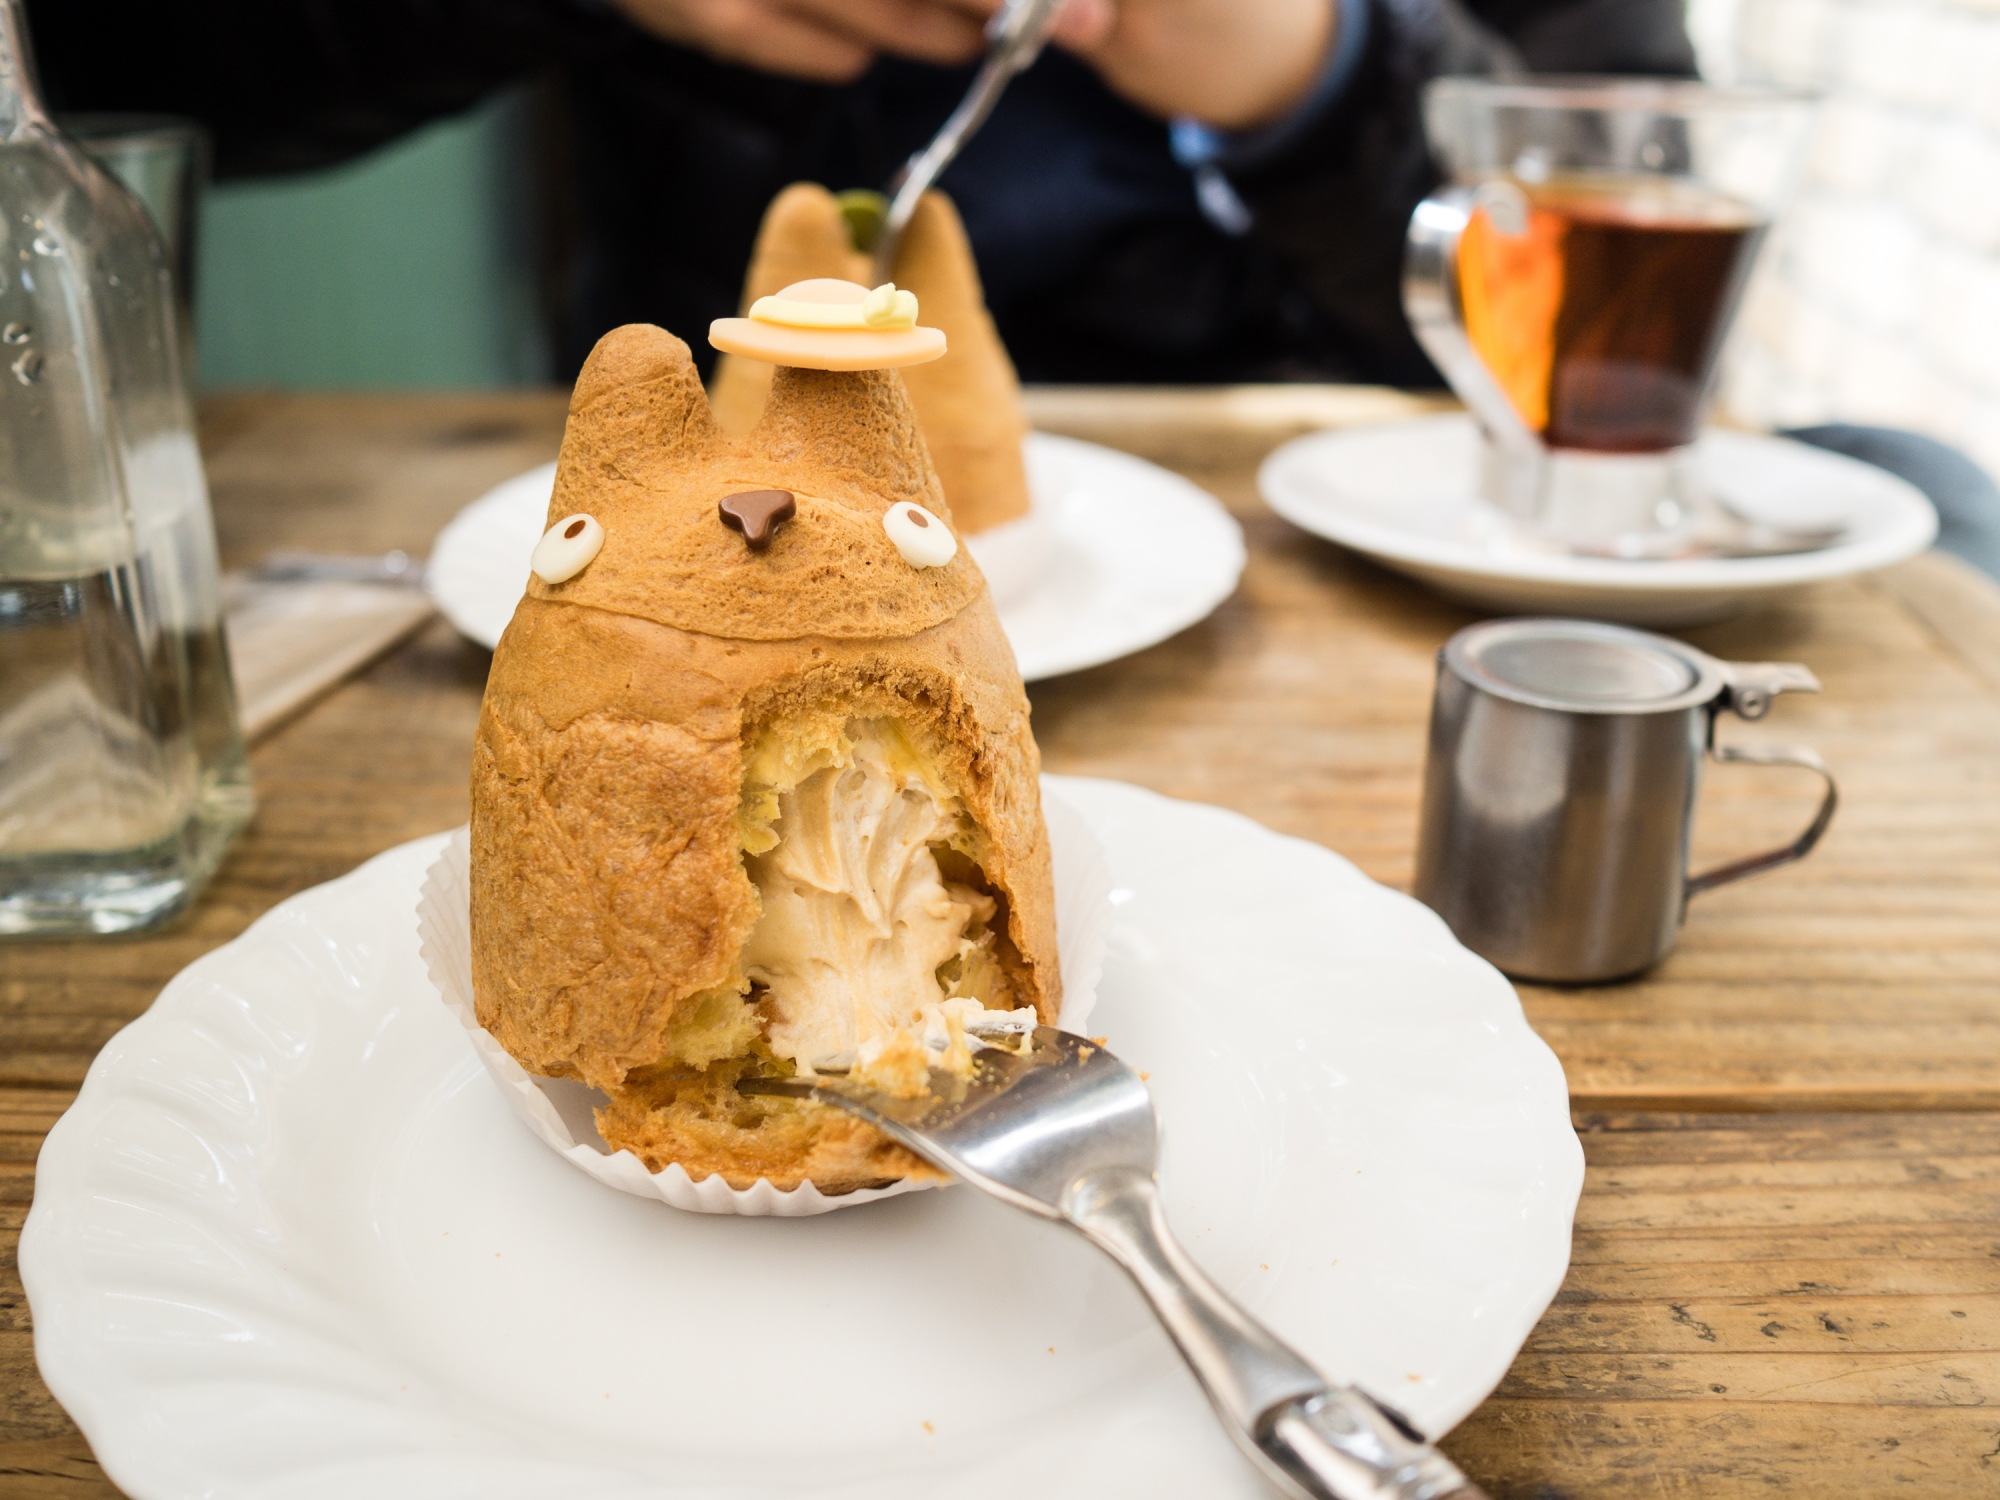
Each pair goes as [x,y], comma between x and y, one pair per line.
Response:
[1575,279]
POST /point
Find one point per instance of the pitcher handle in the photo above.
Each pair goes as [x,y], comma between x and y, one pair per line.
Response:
[1799,847]
[1436,311]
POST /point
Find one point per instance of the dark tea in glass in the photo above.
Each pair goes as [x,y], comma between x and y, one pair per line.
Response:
[1573,280]
[1601,319]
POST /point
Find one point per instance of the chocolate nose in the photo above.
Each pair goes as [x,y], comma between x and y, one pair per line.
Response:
[757,514]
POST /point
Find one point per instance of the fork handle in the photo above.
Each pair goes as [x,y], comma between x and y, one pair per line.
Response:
[1314,1441]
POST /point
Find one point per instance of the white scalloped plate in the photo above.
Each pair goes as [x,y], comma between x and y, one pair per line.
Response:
[1405,494]
[289,1242]
[1135,554]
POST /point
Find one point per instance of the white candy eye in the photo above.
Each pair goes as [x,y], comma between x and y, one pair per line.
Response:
[924,540]
[566,548]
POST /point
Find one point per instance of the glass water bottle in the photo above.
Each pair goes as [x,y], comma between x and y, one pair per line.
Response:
[122,776]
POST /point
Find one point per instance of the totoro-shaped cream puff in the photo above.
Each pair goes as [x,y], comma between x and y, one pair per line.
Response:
[753,790]
[968,403]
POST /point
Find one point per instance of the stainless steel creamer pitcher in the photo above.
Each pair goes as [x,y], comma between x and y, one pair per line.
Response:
[1560,785]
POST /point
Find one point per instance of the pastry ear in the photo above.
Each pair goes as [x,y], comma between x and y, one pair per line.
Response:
[848,433]
[969,402]
[639,393]
[803,237]
[934,258]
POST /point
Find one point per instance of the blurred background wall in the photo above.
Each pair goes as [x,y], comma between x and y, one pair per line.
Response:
[424,264]
[419,265]
[1880,298]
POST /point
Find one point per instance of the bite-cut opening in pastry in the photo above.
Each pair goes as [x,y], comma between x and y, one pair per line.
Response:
[879,950]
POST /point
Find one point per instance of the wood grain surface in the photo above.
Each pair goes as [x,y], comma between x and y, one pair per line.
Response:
[1787,1267]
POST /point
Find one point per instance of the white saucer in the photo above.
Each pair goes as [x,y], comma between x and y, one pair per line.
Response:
[1405,494]
[1136,554]
[290,1241]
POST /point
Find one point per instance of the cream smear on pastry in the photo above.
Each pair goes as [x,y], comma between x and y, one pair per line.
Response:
[826,303]
[868,954]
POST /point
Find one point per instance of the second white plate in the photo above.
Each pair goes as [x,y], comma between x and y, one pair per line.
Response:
[1139,554]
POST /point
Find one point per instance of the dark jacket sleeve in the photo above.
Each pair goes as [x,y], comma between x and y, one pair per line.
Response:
[1333,206]
[284,87]
[1311,292]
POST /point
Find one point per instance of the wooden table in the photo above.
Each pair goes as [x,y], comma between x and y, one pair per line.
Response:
[1787,1265]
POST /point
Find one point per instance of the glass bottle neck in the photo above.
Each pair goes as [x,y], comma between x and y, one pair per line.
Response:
[20,102]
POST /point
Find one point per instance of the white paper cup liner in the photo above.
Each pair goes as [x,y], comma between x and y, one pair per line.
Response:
[560,1110]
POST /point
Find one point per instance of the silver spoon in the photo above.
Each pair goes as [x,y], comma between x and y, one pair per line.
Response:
[1718,530]
[1016,36]
[1067,1132]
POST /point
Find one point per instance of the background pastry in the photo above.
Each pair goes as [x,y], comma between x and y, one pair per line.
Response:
[751,791]
[968,404]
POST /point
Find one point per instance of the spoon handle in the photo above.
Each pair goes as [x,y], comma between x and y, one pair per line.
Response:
[1018,33]
[1313,1440]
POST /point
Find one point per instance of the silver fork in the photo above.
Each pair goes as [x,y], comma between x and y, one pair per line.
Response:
[1015,36]
[1067,1132]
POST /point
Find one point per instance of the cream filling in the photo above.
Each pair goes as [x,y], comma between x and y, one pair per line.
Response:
[885,307]
[857,918]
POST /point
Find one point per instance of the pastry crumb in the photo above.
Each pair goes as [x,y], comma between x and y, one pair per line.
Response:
[897,1064]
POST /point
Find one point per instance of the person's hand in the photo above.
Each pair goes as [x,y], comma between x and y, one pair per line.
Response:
[1233,64]
[828,41]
